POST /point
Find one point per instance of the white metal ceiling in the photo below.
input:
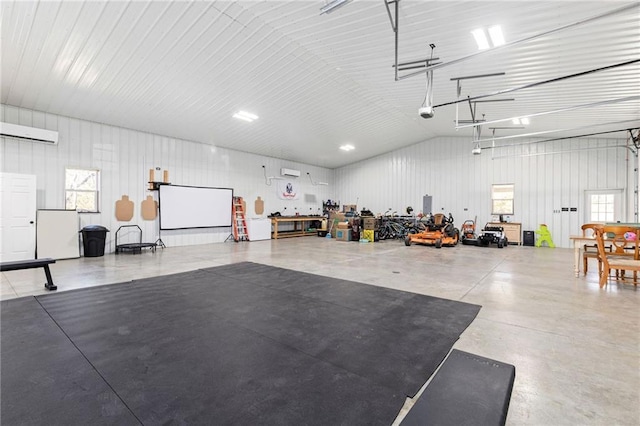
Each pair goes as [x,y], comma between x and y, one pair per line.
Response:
[317,81]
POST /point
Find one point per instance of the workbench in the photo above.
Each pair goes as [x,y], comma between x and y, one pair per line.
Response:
[301,224]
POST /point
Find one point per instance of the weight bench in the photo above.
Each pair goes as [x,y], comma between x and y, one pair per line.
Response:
[467,390]
[30,264]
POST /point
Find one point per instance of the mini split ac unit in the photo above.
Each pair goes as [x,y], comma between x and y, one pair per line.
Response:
[29,133]
[290,172]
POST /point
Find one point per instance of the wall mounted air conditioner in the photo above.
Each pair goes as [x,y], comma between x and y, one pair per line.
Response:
[29,133]
[290,172]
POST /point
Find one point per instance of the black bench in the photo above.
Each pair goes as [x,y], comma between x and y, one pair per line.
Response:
[30,264]
[467,390]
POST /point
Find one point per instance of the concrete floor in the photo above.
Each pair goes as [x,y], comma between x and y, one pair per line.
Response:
[576,347]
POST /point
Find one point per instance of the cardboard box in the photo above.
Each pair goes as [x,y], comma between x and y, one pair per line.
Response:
[369,223]
[334,219]
[343,234]
[343,225]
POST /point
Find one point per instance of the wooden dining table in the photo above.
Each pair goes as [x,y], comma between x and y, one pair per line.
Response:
[578,242]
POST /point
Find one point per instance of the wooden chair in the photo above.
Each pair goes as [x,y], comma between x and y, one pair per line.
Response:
[590,251]
[624,254]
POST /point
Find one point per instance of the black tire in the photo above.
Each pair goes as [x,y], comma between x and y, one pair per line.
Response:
[500,244]
[438,243]
[456,237]
[407,241]
[506,242]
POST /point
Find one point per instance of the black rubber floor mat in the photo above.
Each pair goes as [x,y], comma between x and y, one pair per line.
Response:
[254,344]
[467,390]
[44,379]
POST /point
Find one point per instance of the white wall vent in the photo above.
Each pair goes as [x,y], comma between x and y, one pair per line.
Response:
[29,133]
[290,172]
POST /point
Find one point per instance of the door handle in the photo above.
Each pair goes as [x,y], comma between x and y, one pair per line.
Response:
[31,222]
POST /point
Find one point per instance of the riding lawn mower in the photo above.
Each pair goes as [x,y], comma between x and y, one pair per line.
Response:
[439,232]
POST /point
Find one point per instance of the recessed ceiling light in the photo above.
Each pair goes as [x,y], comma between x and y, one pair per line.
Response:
[516,121]
[481,38]
[524,120]
[347,147]
[246,116]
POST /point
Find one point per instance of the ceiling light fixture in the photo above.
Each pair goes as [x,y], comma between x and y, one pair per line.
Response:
[495,34]
[333,5]
[426,110]
[476,149]
[246,116]
[481,38]
[518,121]
[347,147]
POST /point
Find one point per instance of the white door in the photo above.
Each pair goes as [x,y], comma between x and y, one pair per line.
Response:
[17,217]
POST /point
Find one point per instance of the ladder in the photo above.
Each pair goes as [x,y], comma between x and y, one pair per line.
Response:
[240,232]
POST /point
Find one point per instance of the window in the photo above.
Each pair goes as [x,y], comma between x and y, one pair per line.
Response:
[502,199]
[602,207]
[81,189]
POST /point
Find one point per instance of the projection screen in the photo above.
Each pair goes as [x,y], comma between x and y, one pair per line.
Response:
[184,207]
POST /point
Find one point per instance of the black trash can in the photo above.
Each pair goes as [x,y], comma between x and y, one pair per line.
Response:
[528,238]
[93,239]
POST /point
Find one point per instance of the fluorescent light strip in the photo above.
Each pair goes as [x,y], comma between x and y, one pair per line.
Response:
[347,147]
[246,116]
[242,117]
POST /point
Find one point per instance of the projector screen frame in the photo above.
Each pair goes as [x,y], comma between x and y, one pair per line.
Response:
[173,227]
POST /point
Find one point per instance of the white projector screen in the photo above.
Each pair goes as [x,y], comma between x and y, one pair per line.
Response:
[183,207]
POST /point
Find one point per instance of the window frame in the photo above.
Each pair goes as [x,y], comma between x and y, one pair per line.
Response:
[495,191]
[95,191]
[618,204]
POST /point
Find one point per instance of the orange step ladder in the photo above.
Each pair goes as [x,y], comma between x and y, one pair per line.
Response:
[240,232]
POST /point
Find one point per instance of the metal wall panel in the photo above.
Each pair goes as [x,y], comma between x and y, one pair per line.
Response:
[547,177]
[124,158]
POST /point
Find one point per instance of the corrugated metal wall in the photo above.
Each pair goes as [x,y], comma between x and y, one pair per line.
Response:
[547,177]
[124,158]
